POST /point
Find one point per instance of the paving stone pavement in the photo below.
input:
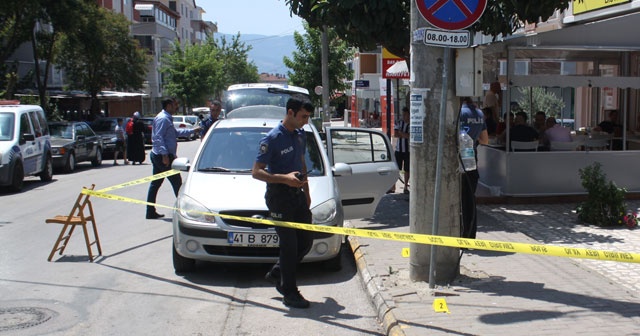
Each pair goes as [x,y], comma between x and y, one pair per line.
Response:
[504,293]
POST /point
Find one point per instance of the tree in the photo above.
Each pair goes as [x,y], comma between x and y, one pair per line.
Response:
[534,99]
[197,72]
[101,54]
[193,72]
[305,60]
[368,23]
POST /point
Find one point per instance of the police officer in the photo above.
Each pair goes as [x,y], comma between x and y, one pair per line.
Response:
[281,164]
[472,119]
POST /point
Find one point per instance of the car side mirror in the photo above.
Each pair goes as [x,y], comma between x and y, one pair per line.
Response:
[81,137]
[341,169]
[181,164]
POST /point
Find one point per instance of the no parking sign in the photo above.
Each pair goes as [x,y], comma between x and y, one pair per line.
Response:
[451,14]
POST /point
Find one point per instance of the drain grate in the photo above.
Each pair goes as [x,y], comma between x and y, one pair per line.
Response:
[23,317]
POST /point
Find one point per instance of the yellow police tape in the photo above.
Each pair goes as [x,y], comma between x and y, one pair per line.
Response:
[479,244]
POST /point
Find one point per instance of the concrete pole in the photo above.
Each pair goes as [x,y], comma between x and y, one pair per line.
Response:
[428,73]
[325,75]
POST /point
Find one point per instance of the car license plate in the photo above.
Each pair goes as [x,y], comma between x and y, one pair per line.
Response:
[253,239]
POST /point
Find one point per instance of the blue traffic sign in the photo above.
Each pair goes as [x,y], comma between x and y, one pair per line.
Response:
[451,14]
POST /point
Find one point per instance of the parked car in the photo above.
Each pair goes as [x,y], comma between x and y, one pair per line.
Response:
[25,147]
[73,142]
[148,123]
[346,180]
[188,122]
[106,128]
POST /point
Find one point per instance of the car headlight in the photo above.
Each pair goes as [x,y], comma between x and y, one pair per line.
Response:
[325,212]
[192,209]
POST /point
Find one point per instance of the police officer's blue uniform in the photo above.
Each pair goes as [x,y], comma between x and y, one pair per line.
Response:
[282,151]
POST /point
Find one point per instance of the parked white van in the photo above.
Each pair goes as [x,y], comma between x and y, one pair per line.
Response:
[25,147]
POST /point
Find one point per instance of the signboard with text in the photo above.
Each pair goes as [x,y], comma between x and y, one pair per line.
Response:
[388,60]
[582,6]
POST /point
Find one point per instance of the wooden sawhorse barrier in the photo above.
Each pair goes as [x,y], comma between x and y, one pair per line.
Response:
[76,217]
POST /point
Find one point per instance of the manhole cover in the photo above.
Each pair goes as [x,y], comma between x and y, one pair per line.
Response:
[23,317]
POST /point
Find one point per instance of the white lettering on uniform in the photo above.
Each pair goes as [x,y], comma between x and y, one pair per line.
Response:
[286,150]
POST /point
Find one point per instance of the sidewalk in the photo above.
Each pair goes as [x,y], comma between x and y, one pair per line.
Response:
[500,293]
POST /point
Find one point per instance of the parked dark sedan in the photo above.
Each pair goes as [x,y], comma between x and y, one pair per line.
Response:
[73,142]
[106,128]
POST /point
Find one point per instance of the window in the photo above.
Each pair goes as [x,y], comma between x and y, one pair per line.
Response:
[358,147]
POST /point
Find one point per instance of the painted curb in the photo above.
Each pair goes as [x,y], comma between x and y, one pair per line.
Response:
[385,312]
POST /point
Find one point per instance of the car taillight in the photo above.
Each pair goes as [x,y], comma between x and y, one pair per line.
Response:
[182,126]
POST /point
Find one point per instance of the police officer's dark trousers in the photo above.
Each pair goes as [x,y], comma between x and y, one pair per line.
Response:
[159,167]
[468,186]
[289,204]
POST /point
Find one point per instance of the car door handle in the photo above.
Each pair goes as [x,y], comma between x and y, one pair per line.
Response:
[384,171]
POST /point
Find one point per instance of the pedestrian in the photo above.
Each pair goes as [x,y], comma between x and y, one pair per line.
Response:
[401,132]
[135,140]
[164,139]
[472,120]
[121,145]
[215,107]
[281,164]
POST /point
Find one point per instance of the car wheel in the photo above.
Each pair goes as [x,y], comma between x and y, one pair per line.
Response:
[47,173]
[17,180]
[334,264]
[182,264]
[71,163]
[98,160]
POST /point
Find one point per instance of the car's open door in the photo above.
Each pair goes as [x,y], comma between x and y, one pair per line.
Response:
[374,170]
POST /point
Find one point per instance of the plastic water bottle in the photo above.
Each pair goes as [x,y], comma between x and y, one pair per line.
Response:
[467,152]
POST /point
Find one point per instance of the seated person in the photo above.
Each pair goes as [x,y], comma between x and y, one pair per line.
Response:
[539,121]
[520,131]
[502,125]
[612,126]
[554,132]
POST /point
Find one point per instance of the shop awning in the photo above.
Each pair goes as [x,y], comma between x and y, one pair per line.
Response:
[398,70]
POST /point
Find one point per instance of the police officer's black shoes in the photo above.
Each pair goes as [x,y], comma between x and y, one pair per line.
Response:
[154,215]
[274,279]
[295,300]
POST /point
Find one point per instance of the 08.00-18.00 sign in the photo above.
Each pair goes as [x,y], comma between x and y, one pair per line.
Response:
[446,38]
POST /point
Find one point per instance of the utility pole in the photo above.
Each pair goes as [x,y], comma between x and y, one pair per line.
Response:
[326,114]
[429,75]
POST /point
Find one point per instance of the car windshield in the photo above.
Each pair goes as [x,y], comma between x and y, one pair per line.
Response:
[104,126]
[61,131]
[235,150]
[257,96]
[6,126]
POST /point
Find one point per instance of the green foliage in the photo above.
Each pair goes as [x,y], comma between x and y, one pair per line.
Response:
[101,54]
[536,99]
[304,62]
[197,72]
[367,23]
[605,204]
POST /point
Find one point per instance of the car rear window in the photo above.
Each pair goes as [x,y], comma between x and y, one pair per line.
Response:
[7,121]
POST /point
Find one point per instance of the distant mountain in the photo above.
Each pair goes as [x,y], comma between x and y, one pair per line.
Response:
[267,51]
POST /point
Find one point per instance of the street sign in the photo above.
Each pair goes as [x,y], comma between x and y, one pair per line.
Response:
[362,83]
[447,38]
[451,14]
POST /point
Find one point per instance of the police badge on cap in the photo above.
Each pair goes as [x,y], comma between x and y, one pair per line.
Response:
[263,148]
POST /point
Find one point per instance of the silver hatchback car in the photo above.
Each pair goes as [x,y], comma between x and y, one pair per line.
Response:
[347,177]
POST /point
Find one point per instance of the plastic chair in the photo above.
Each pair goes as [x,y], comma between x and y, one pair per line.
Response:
[530,146]
[76,217]
[597,144]
[565,146]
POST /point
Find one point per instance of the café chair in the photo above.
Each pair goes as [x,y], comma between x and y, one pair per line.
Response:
[597,144]
[528,146]
[565,146]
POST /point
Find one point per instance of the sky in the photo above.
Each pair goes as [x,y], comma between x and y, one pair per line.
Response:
[264,17]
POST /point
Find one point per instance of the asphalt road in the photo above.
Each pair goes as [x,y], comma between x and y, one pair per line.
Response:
[132,289]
